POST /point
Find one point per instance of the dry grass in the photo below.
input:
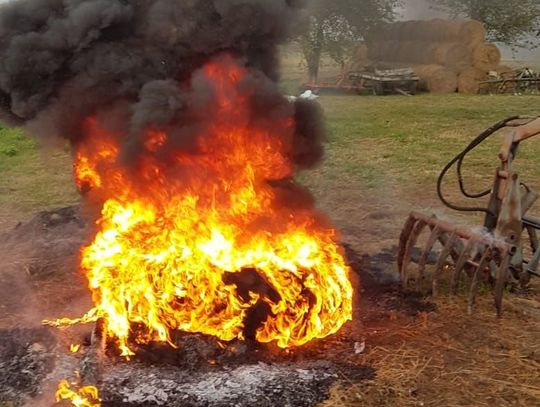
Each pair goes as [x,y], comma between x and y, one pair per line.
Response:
[447,358]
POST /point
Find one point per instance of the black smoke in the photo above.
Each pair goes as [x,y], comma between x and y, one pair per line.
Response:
[125,61]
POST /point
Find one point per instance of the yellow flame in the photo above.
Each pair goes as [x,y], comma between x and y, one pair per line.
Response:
[170,238]
[74,347]
[87,396]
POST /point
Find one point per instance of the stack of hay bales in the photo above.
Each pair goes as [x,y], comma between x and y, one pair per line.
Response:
[447,55]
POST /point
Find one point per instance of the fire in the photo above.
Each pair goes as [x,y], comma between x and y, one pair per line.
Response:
[74,347]
[86,396]
[175,235]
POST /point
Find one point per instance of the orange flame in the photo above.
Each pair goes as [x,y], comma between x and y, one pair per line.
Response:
[170,237]
[86,396]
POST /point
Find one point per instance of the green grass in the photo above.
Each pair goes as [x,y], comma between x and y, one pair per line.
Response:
[378,141]
[31,178]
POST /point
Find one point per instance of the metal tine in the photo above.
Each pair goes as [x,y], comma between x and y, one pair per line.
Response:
[456,249]
[417,230]
[440,264]
[474,283]
[462,260]
[493,269]
[500,283]
[403,239]
[533,238]
[435,232]
[532,267]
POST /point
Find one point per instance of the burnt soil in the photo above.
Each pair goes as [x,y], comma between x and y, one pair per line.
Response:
[400,349]
[42,273]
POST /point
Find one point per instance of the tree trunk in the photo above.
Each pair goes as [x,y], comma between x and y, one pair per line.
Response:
[312,49]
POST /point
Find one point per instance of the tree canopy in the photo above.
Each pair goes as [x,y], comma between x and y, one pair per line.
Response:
[333,26]
[513,22]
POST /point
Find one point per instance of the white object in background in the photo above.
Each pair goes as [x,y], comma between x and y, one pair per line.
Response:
[309,95]
[359,347]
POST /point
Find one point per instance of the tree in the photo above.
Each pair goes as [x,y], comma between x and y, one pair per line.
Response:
[511,22]
[334,26]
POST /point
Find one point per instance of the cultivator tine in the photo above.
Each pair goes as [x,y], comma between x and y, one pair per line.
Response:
[532,267]
[449,245]
[533,237]
[435,233]
[461,246]
[474,283]
[403,239]
[460,265]
[413,237]
[500,283]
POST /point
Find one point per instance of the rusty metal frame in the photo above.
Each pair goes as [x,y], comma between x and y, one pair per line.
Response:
[497,251]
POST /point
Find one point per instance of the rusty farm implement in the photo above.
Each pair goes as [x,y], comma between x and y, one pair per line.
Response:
[504,251]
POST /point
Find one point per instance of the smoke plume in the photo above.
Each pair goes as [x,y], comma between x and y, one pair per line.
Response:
[128,62]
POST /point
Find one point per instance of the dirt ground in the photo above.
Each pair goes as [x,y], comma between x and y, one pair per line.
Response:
[424,351]
[430,356]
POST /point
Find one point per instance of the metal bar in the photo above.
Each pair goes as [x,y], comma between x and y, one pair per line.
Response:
[403,238]
[474,283]
[435,232]
[533,237]
[500,283]
[532,266]
[419,226]
[456,276]
[531,221]
[440,264]
[464,233]
[519,80]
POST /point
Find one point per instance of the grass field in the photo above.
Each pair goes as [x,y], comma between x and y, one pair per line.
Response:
[31,178]
[375,143]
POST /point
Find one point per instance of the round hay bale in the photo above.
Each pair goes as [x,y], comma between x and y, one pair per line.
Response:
[505,72]
[427,53]
[407,52]
[389,50]
[444,30]
[459,68]
[469,80]
[408,31]
[486,56]
[381,32]
[453,55]
[422,31]
[472,32]
[419,52]
[358,59]
[393,32]
[376,33]
[436,78]
[374,50]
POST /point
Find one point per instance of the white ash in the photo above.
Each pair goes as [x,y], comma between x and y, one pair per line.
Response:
[261,384]
[26,355]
